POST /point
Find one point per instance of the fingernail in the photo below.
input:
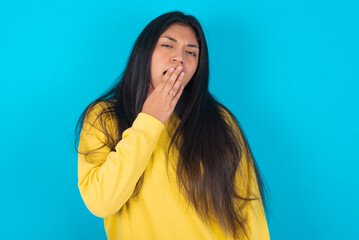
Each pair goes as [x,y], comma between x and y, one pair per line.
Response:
[179,68]
[182,74]
[171,69]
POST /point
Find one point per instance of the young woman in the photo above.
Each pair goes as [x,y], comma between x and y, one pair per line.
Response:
[159,157]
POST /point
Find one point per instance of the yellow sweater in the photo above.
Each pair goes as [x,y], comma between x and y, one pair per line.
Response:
[108,178]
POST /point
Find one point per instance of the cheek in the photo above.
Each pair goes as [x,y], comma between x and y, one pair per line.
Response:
[155,66]
[159,55]
[192,69]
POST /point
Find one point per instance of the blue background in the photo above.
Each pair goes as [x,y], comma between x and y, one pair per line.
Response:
[287,69]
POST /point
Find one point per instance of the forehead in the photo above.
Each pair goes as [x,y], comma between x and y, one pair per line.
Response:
[181,33]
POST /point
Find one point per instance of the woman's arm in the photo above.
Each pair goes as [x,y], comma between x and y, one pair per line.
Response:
[108,180]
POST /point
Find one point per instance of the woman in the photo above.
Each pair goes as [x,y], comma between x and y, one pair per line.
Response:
[159,157]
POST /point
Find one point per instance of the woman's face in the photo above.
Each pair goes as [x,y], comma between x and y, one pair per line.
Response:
[177,46]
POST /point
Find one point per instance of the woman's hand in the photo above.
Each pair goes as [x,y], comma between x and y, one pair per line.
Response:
[162,100]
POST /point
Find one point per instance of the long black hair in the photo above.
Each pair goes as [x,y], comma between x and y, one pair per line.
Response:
[209,160]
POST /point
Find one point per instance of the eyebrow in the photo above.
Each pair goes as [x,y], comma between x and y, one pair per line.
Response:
[174,40]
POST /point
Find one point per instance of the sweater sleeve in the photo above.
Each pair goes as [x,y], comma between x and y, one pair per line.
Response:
[107,179]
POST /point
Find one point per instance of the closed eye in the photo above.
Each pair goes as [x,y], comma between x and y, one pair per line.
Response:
[192,53]
[169,46]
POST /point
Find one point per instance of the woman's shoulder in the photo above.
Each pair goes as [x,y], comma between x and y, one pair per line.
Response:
[231,120]
[225,113]
[100,119]
[102,105]
[99,107]
[99,111]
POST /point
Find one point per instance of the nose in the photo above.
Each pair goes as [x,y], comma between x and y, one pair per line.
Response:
[177,58]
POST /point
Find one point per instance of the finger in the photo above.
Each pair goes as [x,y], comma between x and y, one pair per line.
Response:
[177,85]
[171,81]
[177,97]
[165,78]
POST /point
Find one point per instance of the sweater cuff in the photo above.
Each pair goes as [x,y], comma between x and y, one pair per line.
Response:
[148,123]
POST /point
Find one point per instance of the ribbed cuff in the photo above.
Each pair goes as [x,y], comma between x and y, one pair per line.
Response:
[149,124]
